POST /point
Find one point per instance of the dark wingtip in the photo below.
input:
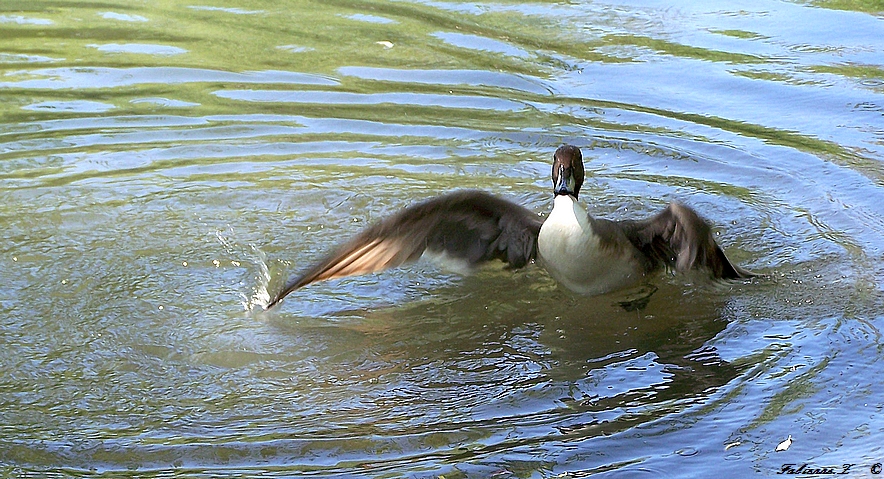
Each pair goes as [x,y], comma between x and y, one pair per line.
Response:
[270,305]
[729,270]
[276,300]
[742,273]
[290,286]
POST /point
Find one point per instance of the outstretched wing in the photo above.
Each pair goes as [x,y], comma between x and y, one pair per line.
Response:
[679,238]
[471,226]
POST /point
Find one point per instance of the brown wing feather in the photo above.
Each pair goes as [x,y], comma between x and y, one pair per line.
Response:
[679,238]
[470,225]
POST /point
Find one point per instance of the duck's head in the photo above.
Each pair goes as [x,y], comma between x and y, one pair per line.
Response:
[567,171]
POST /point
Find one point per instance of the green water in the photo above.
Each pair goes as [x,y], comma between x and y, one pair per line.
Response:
[165,164]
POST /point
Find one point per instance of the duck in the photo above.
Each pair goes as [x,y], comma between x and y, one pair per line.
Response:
[587,255]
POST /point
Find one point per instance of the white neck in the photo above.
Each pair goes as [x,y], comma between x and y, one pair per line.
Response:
[572,252]
[568,217]
[564,236]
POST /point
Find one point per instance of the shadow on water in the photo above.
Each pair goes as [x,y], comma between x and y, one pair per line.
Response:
[144,149]
[505,362]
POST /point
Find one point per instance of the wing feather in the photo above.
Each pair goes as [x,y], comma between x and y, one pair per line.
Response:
[470,225]
[679,238]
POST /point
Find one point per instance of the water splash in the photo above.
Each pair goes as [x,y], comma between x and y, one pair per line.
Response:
[260,291]
[259,275]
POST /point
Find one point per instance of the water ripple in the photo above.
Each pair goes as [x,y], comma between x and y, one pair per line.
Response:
[163,170]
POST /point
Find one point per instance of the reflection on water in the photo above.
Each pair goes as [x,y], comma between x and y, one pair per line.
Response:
[162,168]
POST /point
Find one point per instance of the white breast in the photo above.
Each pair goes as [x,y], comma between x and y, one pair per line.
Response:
[573,254]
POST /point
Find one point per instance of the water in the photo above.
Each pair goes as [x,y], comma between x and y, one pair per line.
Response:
[163,164]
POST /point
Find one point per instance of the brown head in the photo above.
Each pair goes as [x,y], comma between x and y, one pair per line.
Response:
[567,171]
